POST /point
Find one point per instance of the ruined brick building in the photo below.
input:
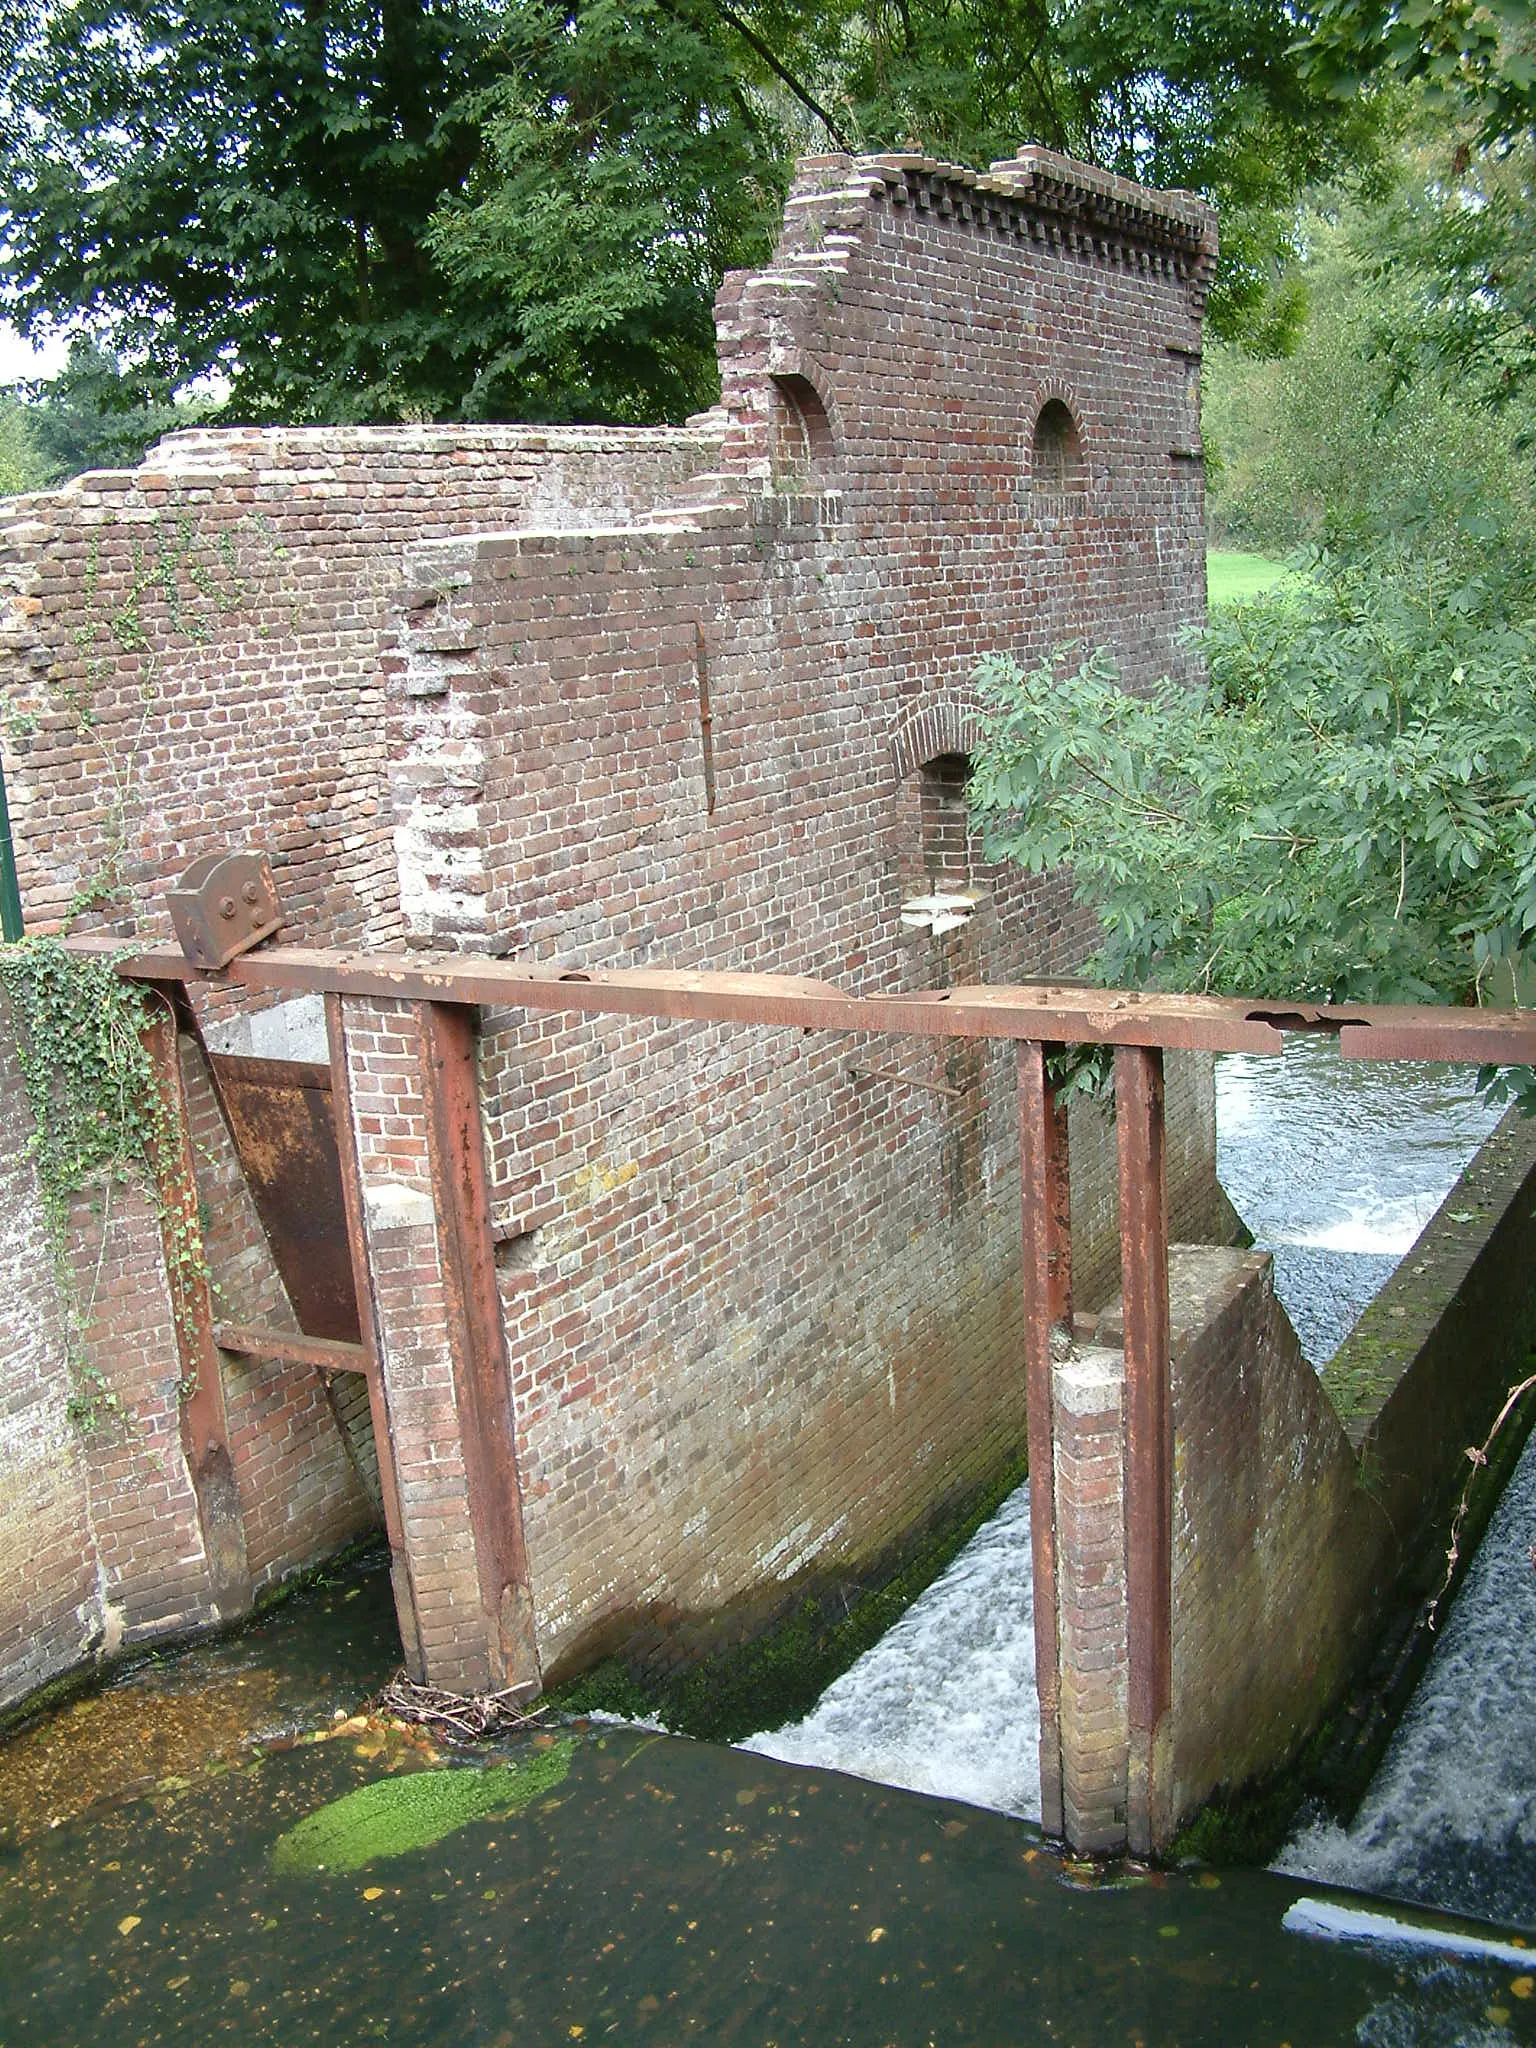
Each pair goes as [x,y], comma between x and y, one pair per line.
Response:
[694,696]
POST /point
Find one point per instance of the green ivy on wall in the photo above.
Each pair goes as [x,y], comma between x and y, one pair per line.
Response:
[97,1114]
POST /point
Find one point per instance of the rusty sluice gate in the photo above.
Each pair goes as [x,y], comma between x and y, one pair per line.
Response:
[292,1126]
[280,1116]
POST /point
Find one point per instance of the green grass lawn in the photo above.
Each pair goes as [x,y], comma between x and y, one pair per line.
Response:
[1229,576]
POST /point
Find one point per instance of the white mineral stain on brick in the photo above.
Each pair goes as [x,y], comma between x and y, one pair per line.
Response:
[395,1205]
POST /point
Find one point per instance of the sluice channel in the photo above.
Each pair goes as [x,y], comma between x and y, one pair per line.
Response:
[224,1844]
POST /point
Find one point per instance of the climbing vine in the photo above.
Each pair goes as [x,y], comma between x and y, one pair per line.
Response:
[177,588]
[98,1117]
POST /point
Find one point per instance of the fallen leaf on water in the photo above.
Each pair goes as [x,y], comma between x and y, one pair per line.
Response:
[128,1923]
[877,1934]
[1522,1987]
[374,1891]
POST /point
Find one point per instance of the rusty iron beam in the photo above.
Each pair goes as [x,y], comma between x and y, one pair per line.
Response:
[477,1336]
[1148,1441]
[292,1347]
[1061,1013]
[1045,1189]
[204,1424]
[378,1398]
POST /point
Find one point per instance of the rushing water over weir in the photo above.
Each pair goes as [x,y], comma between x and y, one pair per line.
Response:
[160,1880]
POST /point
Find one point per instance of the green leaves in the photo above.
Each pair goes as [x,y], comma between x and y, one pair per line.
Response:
[623,171]
[96,1112]
[434,209]
[1348,812]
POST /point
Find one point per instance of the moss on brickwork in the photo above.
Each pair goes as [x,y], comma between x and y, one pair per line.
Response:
[779,1675]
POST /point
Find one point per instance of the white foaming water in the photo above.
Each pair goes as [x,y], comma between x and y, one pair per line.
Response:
[945,1702]
[1336,1165]
[1389,1227]
[1450,1817]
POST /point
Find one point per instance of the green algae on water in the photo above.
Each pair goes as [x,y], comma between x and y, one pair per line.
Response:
[392,1816]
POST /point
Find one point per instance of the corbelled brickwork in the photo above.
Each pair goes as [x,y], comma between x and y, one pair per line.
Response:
[698,697]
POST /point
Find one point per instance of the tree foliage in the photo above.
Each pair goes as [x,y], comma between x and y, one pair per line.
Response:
[1346,812]
[624,167]
[1401,411]
[1212,95]
[239,187]
[401,209]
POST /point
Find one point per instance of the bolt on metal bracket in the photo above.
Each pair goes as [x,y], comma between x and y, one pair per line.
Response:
[225,904]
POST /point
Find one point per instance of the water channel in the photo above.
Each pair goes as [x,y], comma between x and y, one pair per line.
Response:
[221,1844]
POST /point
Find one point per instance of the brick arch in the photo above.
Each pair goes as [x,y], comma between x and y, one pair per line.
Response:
[948,727]
[1040,396]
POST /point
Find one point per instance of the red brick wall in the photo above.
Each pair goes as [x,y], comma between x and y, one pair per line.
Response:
[1089,1423]
[100,1541]
[217,615]
[48,1604]
[767,1319]
[761,1305]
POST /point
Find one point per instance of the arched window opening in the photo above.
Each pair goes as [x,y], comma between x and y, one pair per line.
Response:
[803,442]
[945,822]
[1056,454]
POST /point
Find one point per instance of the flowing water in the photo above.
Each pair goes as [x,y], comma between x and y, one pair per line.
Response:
[1450,1817]
[222,1843]
[1336,1165]
[637,1888]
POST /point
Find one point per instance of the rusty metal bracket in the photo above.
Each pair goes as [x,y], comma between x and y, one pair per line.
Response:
[223,906]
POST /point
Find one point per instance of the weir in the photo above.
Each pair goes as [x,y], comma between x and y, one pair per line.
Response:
[619,1190]
[1126,1751]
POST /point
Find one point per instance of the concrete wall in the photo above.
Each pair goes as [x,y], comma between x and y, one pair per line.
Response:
[1306,1506]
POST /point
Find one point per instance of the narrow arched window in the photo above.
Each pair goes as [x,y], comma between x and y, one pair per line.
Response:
[945,824]
[1056,452]
[803,442]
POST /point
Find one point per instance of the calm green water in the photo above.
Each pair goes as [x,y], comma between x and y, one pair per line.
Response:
[658,1891]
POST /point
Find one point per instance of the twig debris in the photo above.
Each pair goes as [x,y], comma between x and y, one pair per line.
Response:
[458,1716]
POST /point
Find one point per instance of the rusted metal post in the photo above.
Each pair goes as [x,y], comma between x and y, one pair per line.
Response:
[1149,1442]
[1045,1193]
[204,1426]
[378,1399]
[477,1336]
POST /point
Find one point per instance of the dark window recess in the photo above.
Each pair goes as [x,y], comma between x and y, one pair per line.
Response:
[1056,454]
[518,1251]
[946,854]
